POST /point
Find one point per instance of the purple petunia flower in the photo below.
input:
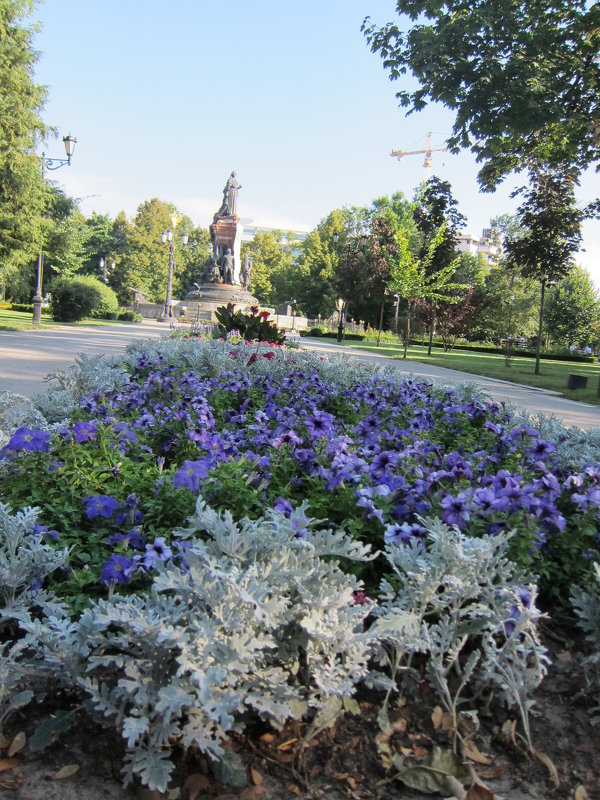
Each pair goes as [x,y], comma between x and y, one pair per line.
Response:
[287,437]
[85,431]
[455,510]
[118,569]
[34,441]
[190,474]
[101,506]
[319,424]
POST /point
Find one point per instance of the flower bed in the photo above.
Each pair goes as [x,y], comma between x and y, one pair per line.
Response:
[305,469]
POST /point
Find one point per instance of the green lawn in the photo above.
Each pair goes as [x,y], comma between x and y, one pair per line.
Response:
[553,374]
[22,321]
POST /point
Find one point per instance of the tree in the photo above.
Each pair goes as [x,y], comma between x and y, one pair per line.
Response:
[549,235]
[190,260]
[438,219]
[573,309]
[413,279]
[522,77]
[146,261]
[21,127]
[317,266]
[270,260]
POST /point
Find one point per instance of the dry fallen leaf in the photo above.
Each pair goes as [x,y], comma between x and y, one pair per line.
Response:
[437,715]
[509,728]
[252,793]
[256,776]
[267,738]
[65,772]
[548,763]
[420,752]
[12,782]
[287,745]
[581,793]
[18,743]
[479,792]
[4,742]
[294,789]
[196,784]
[8,763]
[351,782]
[473,753]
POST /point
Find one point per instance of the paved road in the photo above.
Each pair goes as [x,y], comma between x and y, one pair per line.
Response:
[27,356]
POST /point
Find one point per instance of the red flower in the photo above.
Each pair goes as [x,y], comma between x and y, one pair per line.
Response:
[252,358]
[254,309]
[269,355]
[264,314]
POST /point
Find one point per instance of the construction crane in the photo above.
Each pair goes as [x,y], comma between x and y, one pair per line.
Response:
[429,150]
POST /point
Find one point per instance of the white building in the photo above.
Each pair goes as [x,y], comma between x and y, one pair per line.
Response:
[290,237]
[479,245]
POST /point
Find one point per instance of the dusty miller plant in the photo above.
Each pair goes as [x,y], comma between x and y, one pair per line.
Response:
[464,605]
[586,604]
[255,620]
[25,561]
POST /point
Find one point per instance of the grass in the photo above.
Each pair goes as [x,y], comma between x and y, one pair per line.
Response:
[22,321]
[553,374]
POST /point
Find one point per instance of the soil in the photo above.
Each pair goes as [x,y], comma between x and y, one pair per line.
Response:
[343,761]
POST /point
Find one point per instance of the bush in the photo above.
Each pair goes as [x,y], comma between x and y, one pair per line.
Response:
[126,315]
[25,308]
[72,300]
[253,327]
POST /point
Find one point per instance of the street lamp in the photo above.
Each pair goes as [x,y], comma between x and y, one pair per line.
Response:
[353,246]
[168,236]
[49,163]
[104,265]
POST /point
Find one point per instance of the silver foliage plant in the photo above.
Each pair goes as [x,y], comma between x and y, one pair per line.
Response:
[586,604]
[463,605]
[258,619]
[25,561]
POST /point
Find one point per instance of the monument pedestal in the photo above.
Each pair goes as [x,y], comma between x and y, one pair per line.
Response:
[204,301]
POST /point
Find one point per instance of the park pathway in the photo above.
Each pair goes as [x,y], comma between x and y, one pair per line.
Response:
[26,357]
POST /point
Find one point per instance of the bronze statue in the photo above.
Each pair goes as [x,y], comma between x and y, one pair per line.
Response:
[228,267]
[230,193]
[246,271]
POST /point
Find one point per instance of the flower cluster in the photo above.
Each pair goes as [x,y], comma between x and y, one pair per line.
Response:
[371,457]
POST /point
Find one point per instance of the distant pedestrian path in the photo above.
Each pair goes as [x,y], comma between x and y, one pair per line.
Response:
[26,357]
[543,401]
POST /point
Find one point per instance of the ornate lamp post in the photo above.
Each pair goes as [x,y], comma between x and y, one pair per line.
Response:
[168,236]
[353,246]
[104,266]
[49,163]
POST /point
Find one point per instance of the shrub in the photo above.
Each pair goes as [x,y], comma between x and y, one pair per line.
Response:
[253,327]
[72,300]
[25,308]
[126,315]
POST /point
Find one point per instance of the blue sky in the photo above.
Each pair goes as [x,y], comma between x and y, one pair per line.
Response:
[166,99]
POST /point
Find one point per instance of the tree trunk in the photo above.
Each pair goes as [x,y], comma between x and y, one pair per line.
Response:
[430,337]
[380,321]
[539,336]
[407,337]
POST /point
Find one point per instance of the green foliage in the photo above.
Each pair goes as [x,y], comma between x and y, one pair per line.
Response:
[252,327]
[72,300]
[523,78]
[21,127]
[573,310]
[271,277]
